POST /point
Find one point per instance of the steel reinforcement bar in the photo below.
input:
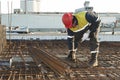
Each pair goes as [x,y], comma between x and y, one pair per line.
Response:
[54,63]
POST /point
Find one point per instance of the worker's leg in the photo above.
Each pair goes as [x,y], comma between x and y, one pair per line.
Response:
[73,44]
[94,47]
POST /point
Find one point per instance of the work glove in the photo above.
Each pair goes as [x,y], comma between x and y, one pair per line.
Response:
[85,36]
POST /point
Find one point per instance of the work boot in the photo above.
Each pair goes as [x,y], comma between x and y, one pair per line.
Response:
[69,55]
[72,56]
[93,61]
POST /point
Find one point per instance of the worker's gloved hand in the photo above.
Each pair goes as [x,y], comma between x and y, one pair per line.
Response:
[85,36]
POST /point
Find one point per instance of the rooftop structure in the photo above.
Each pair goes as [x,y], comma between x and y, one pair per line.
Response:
[85,8]
[30,6]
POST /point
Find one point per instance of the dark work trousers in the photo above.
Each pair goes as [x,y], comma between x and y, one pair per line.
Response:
[94,43]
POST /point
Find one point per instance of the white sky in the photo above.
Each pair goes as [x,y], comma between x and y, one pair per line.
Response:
[67,5]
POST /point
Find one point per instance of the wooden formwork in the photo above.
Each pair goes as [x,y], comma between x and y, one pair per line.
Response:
[2,37]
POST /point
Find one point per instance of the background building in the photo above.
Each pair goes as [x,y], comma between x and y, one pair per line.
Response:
[28,6]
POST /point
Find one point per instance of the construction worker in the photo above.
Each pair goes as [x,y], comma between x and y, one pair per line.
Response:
[77,25]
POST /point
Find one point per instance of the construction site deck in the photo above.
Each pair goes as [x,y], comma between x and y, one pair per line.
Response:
[46,60]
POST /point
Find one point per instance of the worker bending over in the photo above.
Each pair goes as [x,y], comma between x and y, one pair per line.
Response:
[77,25]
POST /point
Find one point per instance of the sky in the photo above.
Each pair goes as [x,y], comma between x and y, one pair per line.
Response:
[65,5]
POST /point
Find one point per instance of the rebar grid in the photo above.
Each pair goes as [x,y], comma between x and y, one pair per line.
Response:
[43,66]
